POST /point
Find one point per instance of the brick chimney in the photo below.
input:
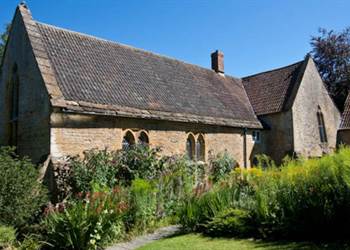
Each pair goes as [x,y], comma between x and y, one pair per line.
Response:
[217,61]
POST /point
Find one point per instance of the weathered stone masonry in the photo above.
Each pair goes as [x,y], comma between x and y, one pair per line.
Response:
[71,134]
[33,132]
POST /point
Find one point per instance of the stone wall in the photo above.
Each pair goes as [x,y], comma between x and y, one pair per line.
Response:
[311,97]
[71,134]
[277,139]
[34,108]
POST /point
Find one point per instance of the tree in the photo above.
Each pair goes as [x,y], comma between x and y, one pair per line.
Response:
[331,53]
[3,40]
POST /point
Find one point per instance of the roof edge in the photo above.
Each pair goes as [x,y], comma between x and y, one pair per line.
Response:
[40,54]
[271,70]
[289,100]
[119,111]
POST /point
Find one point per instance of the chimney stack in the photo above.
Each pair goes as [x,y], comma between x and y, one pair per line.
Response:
[217,61]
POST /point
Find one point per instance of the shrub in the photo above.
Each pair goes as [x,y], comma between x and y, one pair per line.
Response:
[221,165]
[141,162]
[264,161]
[97,166]
[7,237]
[107,168]
[21,195]
[89,223]
[153,186]
[176,182]
[231,222]
[143,204]
[30,242]
[301,199]
[196,211]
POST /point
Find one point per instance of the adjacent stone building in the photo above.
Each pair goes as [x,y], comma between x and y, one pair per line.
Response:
[63,92]
[296,109]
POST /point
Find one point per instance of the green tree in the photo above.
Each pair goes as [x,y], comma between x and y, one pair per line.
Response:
[3,40]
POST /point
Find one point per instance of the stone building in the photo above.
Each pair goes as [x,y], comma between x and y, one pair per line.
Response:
[63,92]
[296,109]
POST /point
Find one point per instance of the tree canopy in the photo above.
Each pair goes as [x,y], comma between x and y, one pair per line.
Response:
[331,53]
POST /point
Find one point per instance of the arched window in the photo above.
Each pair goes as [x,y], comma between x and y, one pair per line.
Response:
[143,138]
[200,148]
[128,140]
[321,126]
[190,144]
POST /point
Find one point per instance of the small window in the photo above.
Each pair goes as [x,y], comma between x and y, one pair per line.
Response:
[200,148]
[128,141]
[143,139]
[190,147]
[321,127]
[256,136]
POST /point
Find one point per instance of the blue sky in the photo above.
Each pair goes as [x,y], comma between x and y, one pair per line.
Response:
[254,35]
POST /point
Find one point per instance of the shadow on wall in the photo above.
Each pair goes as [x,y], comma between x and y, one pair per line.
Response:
[265,145]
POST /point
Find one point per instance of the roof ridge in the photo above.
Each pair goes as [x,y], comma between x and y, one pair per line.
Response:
[272,70]
[133,48]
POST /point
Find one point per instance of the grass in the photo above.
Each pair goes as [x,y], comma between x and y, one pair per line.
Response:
[199,242]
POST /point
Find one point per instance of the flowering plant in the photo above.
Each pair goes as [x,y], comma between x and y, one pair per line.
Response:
[90,222]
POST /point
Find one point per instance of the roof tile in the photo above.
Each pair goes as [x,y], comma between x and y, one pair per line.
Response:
[269,91]
[97,71]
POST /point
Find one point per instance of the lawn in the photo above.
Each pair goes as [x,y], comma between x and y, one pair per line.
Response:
[198,242]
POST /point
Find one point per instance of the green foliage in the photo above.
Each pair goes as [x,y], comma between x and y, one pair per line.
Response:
[21,195]
[221,165]
[30,242]
[96,167]
[196,211]
[176,182]
[139,162]
[153,187]
[303,198]
[231,222]
[8,240]
[141,214]
[7,237]
[108,168]
[264,161]
[89,223]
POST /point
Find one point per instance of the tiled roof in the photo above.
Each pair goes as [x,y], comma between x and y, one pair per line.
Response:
[269,91]
[107,75]
[345,122]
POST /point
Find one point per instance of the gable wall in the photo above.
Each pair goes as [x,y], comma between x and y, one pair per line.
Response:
[311,94]
[34,107]
[71,134]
